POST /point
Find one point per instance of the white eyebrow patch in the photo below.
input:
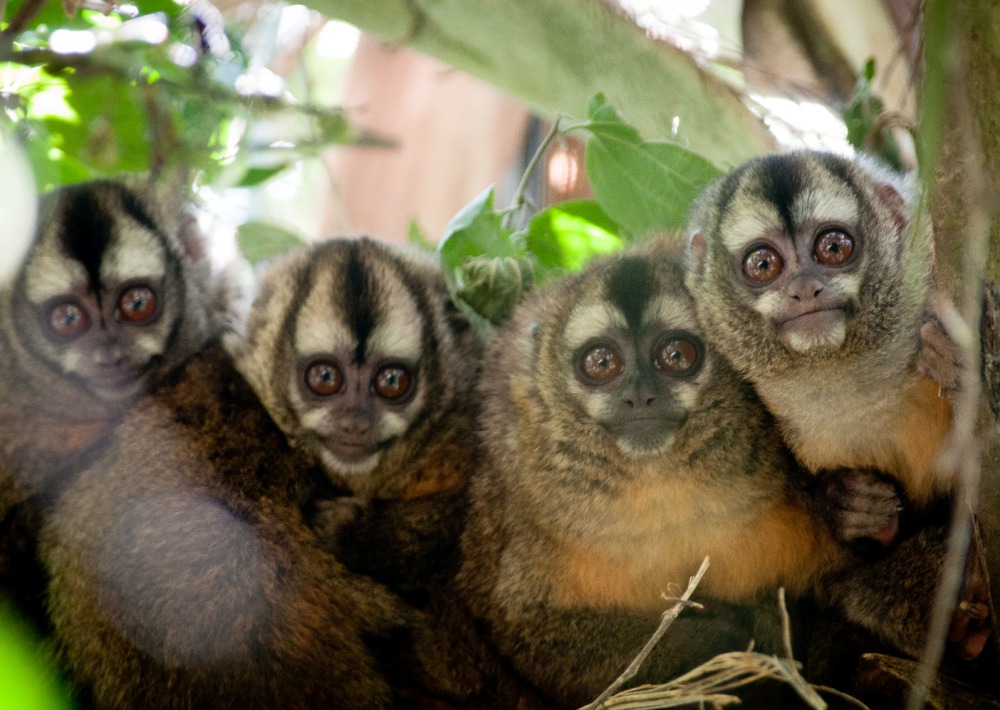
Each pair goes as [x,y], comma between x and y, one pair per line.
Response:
[587,321]
[745,225]
[319,326]
[52,274]
[399,332]
[135,252]
[826,205]
[671,312]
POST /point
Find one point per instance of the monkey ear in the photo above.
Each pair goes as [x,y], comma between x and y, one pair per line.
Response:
[896,204]
[697,250]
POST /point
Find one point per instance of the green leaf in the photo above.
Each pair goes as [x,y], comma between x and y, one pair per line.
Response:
[476,230]
[261,241]
[606,122]
[257,176]
[564,237]
[645,187]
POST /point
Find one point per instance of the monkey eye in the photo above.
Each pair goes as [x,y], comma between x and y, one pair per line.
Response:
[602,363]
[677,355]
[833,247]
[763,265]
[138,305]
[392,382]
[324,378]
[68,319]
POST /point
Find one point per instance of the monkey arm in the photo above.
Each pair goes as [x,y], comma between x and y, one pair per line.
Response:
[892,596]
[403,543]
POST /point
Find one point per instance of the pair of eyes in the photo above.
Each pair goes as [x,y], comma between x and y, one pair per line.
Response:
[833,247]
[674,355]
[390,382]
[137,305]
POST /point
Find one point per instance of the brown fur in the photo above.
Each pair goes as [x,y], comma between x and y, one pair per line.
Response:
[570,542]
[857,403]
[51,423]
[184,576]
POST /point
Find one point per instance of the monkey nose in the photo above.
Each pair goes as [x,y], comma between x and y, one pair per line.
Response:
[110,355]
[805,289]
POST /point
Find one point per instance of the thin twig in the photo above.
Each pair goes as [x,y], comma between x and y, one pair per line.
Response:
[522,187]
[665,622]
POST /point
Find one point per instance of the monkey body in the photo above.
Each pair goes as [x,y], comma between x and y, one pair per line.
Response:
[114,292]
[598,495]
[812,275]
[605,557]
[814,281]
[183,575]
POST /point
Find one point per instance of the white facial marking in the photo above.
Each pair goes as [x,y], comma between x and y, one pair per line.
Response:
[831,338]
[398,333]
[587,321]
[831,203]
[135,253]
[344,468]
[671,313]
[320,326]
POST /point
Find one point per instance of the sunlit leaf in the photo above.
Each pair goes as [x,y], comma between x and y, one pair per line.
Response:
[261,241]
[564,237]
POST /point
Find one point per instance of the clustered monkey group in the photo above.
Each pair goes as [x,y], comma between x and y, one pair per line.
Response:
[327,491]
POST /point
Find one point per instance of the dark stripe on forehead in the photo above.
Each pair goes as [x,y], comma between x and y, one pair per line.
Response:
[629,284]
[782,178]
[134,208]
[359,298]
[85,230]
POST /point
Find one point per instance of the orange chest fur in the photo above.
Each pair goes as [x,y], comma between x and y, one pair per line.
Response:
[653,538]
[905,443]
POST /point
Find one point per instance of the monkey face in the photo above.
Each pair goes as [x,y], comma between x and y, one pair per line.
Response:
[100,297]
[806,285]
[629,355]
[802,256]
[348,349]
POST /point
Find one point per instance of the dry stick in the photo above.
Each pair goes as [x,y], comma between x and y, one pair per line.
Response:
[962,455]
[668,618]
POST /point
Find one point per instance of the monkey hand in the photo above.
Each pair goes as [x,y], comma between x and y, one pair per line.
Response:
[332,519]
[861,504]
[939,358]
[971,625]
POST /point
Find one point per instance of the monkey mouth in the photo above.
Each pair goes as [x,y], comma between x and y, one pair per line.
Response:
[351,449]
[820,328]
[647,435]
[117,383]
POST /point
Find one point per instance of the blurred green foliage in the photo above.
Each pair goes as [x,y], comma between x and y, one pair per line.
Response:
[146,88]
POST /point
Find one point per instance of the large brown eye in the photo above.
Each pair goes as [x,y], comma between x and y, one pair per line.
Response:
[833,247]
[763,265]
[602,363]
[392,382]
[677,356]
[137,305]
[324,378]
[68,320]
